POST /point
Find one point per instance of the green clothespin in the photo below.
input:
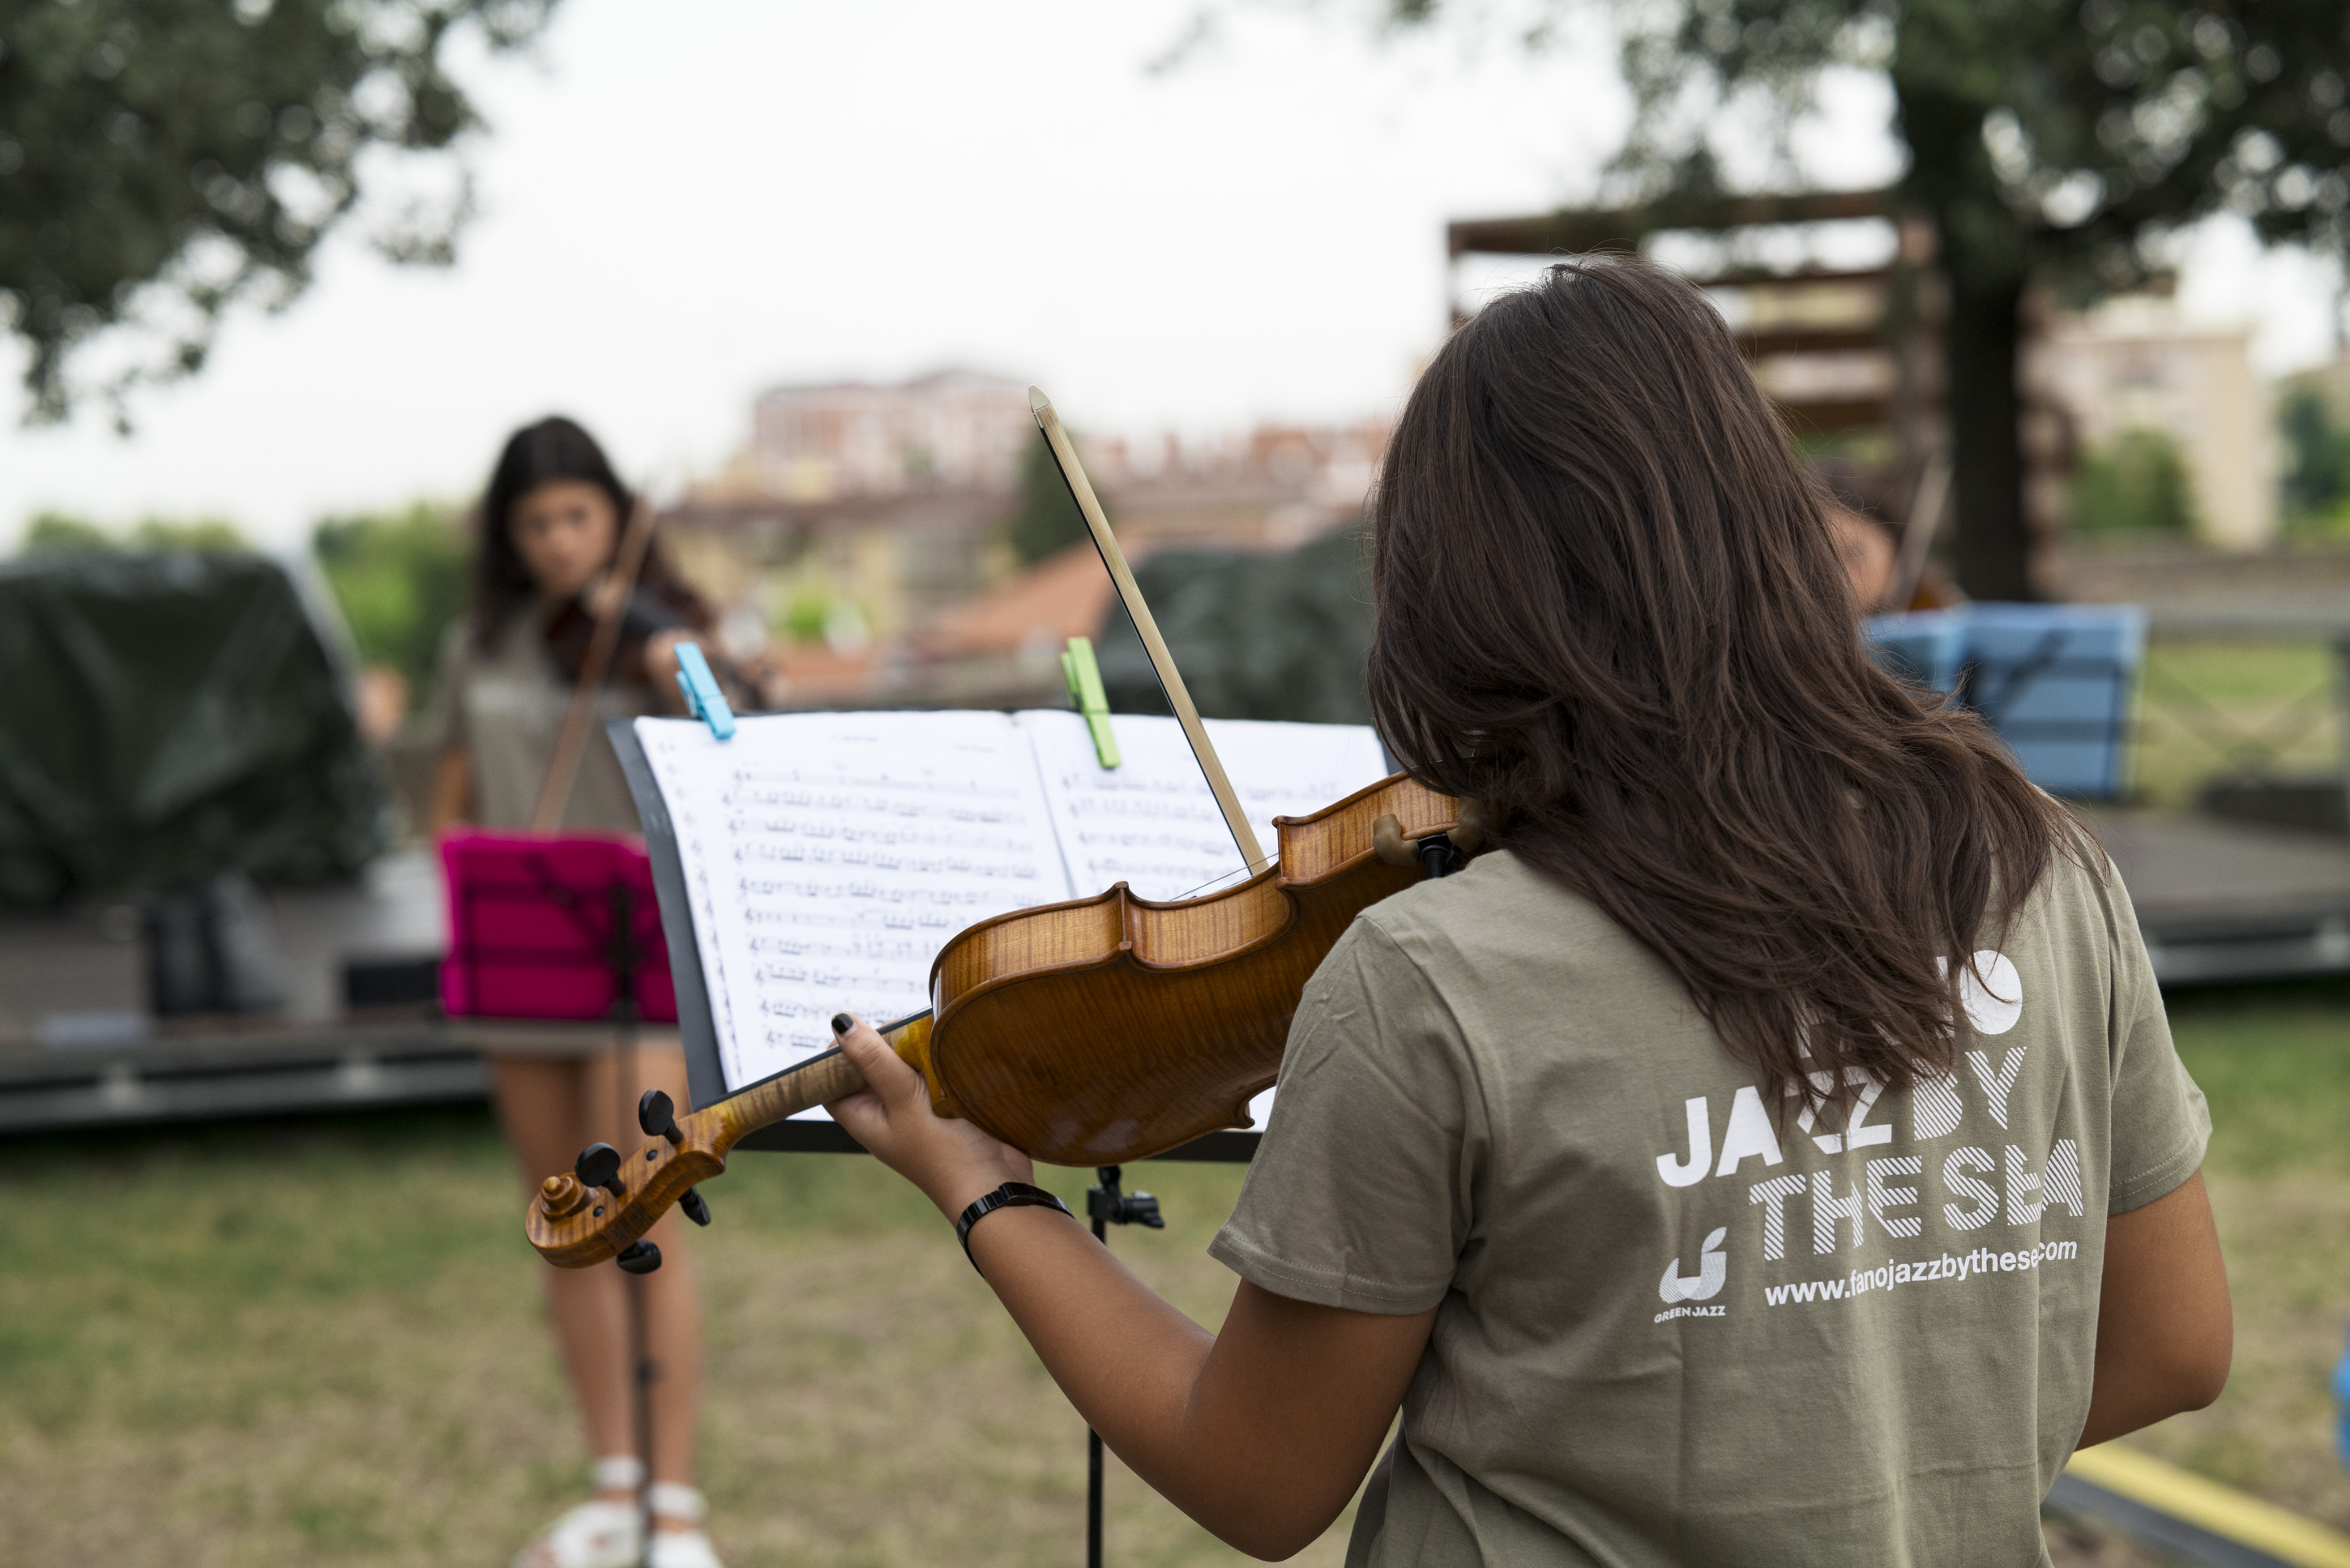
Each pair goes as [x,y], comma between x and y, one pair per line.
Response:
[1084,676]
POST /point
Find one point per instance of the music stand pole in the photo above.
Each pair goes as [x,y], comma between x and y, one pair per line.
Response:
[1109,1175]
[1107,1206]
[621,953]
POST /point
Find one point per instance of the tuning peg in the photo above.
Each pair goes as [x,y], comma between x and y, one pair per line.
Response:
[697,1208]
[639,1258]
[598,1164]
[657,1114]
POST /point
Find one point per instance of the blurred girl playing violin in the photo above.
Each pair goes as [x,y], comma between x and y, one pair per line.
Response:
[550,524]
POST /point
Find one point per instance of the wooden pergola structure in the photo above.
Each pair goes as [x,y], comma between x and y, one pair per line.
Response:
[1848,354]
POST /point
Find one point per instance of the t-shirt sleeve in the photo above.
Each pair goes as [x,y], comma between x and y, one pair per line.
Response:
[1361,1193]
[2160,1122]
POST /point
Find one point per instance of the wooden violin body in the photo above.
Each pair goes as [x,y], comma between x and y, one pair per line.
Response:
[1112,1028]
[1091,1032]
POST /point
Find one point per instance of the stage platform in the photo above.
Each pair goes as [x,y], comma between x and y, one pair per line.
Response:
[2222,903]
[2219,902]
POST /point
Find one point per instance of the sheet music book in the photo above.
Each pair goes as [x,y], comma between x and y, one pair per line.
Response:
[827,857]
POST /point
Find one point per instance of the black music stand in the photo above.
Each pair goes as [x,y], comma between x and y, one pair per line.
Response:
[561,927]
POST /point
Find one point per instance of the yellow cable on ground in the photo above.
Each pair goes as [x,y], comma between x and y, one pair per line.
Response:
[2207,1504]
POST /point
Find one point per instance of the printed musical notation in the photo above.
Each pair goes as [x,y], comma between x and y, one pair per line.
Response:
[1152,821]
[829,857]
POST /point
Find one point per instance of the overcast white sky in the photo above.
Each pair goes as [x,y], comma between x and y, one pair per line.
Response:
[687,201]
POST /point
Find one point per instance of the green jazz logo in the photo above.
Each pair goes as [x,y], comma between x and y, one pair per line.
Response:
[1713,1271]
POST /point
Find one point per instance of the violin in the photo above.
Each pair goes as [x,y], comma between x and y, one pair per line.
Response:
[1091,1032]
[1096,1031]
[585,641]
[643,616]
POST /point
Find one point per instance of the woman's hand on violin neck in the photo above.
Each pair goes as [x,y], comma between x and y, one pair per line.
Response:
[953,1162]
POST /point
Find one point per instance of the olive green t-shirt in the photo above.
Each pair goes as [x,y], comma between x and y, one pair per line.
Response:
[1671,1327]
[505,706]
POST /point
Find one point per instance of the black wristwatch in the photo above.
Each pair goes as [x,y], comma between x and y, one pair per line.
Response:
[1011,1195]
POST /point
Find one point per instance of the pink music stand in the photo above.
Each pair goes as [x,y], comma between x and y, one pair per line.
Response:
[532,922]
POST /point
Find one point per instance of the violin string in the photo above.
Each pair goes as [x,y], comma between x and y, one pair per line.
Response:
[1247,869]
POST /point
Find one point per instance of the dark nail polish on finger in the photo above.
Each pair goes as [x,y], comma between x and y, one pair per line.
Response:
[842,1023]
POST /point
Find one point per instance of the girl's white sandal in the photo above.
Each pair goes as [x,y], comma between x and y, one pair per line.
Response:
[596,1534]
[602,1532]
[680,1504]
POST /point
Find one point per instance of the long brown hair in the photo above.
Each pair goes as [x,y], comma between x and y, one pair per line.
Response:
[555,449]
[1608,608]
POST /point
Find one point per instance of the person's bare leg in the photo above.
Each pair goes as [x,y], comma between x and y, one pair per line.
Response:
[671,1294]
[551,1110]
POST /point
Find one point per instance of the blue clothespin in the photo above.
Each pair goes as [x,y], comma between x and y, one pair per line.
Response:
[1084,676]
[702,698]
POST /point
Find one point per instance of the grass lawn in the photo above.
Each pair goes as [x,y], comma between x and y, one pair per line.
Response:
[2221,707]
[321,1341]
[2276,1065]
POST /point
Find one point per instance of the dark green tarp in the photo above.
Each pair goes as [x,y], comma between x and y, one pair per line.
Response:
[1256,635]
[165,719]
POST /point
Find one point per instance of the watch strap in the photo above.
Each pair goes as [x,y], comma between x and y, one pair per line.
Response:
[1011,1195]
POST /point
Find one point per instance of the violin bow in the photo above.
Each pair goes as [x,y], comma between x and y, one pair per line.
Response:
[563,766]
[1162,663]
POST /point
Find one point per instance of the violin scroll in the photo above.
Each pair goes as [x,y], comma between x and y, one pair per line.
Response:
[604,1205]
[600,1212]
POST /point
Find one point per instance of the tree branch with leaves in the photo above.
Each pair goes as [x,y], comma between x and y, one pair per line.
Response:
[2053,143]
[162,160]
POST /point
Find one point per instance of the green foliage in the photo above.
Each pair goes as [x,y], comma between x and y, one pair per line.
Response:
[58,533]
[2047,140]
[163,159]
[2134,483]
[805,616]
[1046,521]
[2316,481]
[402,579]
[188,533]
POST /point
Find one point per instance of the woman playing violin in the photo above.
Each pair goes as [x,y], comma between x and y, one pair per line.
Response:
[1771,1151]
[550,525]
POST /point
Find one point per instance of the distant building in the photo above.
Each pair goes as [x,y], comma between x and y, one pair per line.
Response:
[952,430]
[1271,489]
[2132,364]
[862,528]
